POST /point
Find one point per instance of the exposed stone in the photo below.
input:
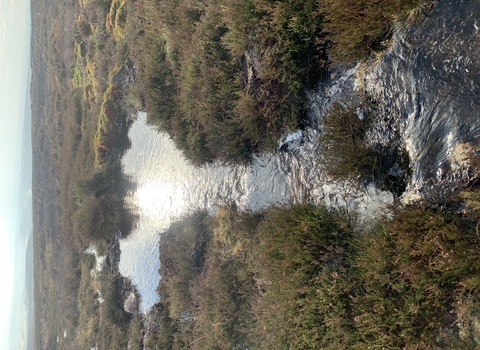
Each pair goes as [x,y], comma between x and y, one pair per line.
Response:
[251,69]
[130,296]
[113,258]
[131,302]
[126,75]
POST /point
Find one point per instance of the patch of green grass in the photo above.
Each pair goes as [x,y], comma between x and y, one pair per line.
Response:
[107,131]
[233,71]
[116,17]
[227,78]
[345,153]
[77,79]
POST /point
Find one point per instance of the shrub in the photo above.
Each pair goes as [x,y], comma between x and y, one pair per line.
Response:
[85,29]
[298,278]
[97,206]
[358,28]
[303,257]
[344,152]
[413,271]
[112,308]
[204,88]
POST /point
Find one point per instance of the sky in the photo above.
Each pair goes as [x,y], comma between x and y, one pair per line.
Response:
[14,70]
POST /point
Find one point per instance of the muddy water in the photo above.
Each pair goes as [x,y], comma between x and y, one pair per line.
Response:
[426,87]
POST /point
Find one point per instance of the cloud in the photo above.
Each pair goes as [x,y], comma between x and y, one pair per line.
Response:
[13,36]
[3,28]
[10,12]
[11,16]
[3,32]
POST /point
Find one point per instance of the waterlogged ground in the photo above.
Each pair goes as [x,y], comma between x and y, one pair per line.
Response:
[426,88]
[168,186]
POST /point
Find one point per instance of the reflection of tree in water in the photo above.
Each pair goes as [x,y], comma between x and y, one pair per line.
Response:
[128,217]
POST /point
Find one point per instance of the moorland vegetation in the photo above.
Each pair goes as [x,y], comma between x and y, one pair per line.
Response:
[302,277]
[226,79]
[345,152]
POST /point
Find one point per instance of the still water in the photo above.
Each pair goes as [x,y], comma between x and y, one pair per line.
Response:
[427,88]
[167,186]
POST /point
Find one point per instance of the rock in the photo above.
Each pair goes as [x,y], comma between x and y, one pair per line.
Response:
[113,258]
[250,69]
[129,295]
[126,75]
[131,302]
[150,327]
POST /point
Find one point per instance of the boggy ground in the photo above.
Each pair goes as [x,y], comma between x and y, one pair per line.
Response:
[205,73]
[305,278]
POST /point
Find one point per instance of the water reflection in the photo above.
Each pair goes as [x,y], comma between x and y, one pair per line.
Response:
[162,196]
[427,87]
[168,186]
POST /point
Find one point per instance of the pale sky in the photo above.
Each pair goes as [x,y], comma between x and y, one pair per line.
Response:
[14,64]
